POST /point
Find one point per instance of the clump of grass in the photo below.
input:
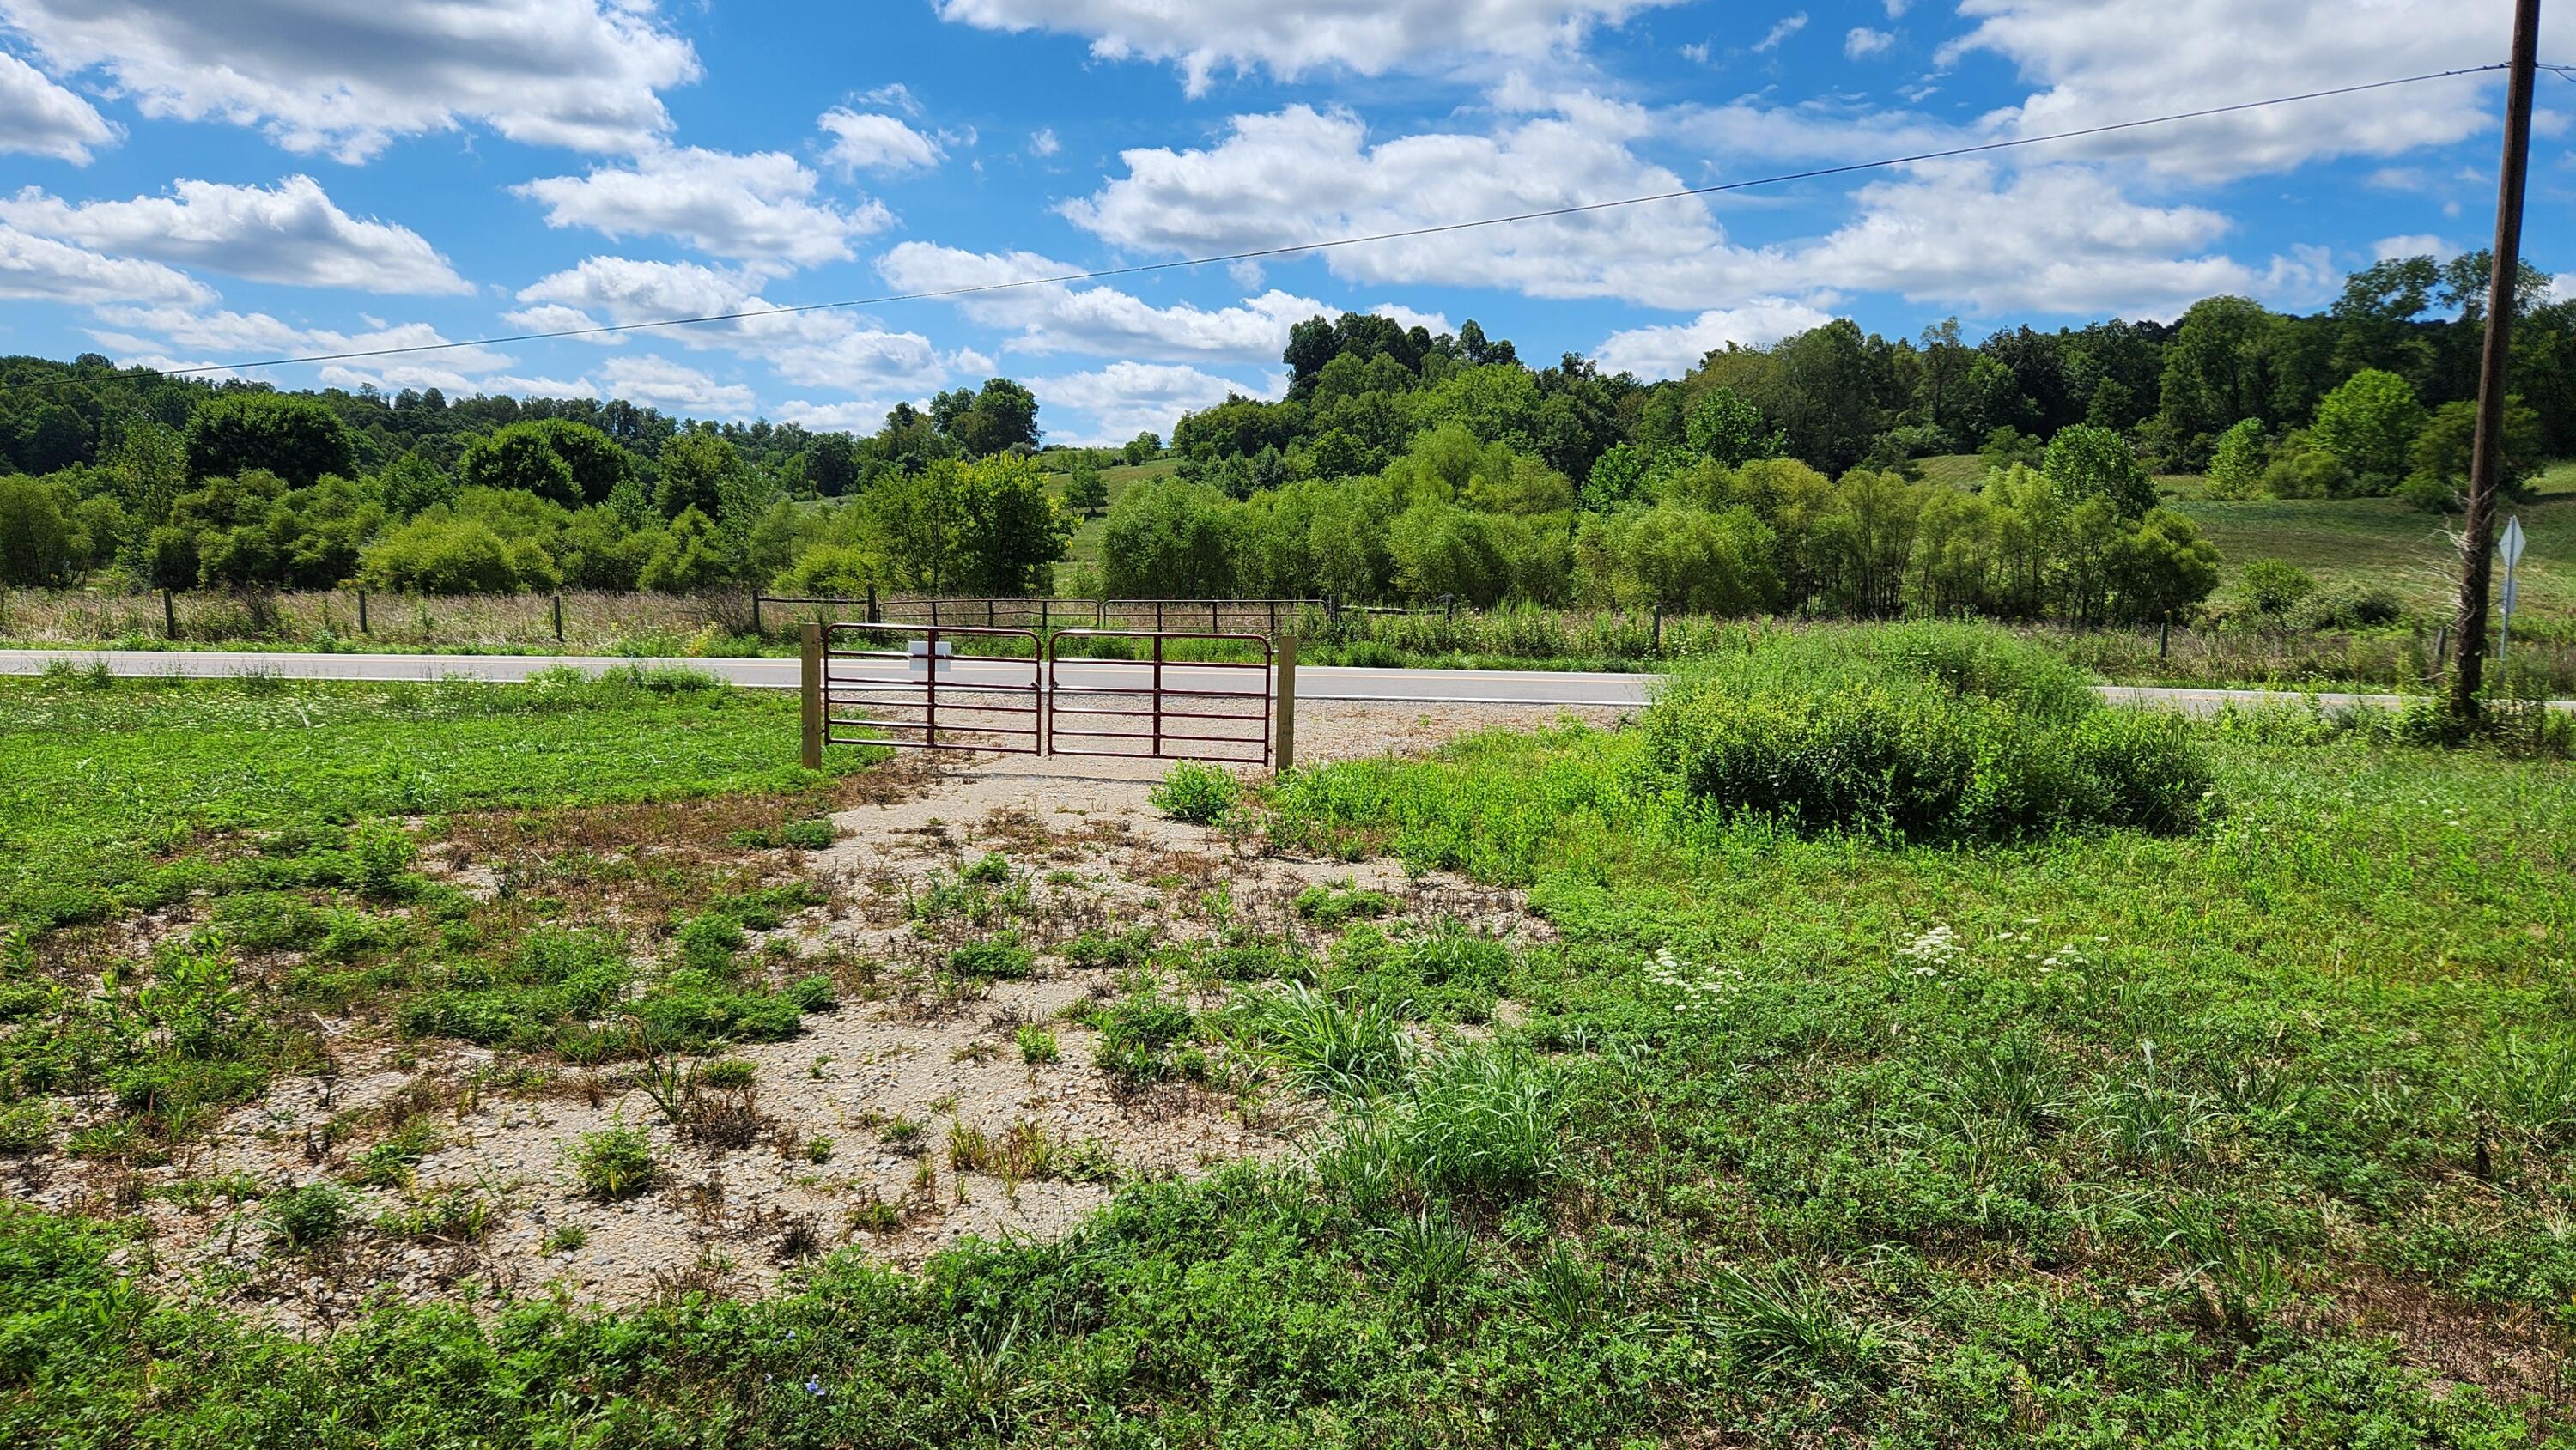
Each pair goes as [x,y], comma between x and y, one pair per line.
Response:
[1096,948]
[1037,1045]
[726,1073]
[1139,1035]
[565,1239]
[812,835]
[1485,1121]
[390,1162]
[614,1163]
[1329,904]
[1327,1045]
[307,1217]
[818,1149]
[459,1216]
[1780,1319]
[1199,794]
[994,958]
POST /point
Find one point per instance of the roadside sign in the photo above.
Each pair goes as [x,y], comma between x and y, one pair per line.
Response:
[2509,548]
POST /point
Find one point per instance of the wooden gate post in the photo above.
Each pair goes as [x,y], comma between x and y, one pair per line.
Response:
[1285,731]
[812,681]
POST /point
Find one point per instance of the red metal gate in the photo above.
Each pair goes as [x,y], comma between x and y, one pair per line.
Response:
[933,687]
[1105,692]
[1103,699]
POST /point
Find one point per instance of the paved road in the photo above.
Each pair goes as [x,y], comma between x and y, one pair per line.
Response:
[1462,687]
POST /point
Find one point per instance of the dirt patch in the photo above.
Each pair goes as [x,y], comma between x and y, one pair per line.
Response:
[979,916]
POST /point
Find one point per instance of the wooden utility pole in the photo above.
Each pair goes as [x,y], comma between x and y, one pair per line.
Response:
[2486,456]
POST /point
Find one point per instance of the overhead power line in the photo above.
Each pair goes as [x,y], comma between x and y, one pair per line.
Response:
[1291,249]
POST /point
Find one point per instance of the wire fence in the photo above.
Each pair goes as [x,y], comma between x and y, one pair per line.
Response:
[1331,632]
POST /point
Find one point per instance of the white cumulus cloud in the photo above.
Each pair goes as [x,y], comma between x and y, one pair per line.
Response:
[2110,62]
[2413,244]
[1126,398]
[1055,317]
[1306,175]
[676,387]
[42,118]
[844,351]
[1430,322]
[1370,37]
[1787,27]
[290,233]
[2053,241]
[867,141]
[347,78]
[1670,351]
[46,270]
[757,208]
[1861,42]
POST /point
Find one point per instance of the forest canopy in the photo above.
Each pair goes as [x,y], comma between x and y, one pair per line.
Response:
[1397,465]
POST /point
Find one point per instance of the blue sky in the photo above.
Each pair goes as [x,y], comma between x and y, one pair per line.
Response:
[183,183]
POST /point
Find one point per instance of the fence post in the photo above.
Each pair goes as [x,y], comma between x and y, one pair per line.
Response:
[756,631]
[559,619]
[873,616]
[362,611]
[989,621]
[169,616]
[1659,631]
[1158,692]
[1284,753]
[2164,637]
[811,679]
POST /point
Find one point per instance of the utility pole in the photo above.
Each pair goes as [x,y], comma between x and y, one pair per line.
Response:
[2486,457]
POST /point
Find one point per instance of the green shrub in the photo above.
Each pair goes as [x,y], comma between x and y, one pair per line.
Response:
[25,1128]
[614,1163]
[1920,733]
[708,943]
[1198,794]
[2271,587]
[382,854]
[2347,607]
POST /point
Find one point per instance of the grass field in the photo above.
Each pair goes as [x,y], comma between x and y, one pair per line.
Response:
[2383,542]
[1123,479]
[2254,1131]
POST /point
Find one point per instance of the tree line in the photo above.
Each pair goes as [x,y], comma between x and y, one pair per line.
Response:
[1398,465]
